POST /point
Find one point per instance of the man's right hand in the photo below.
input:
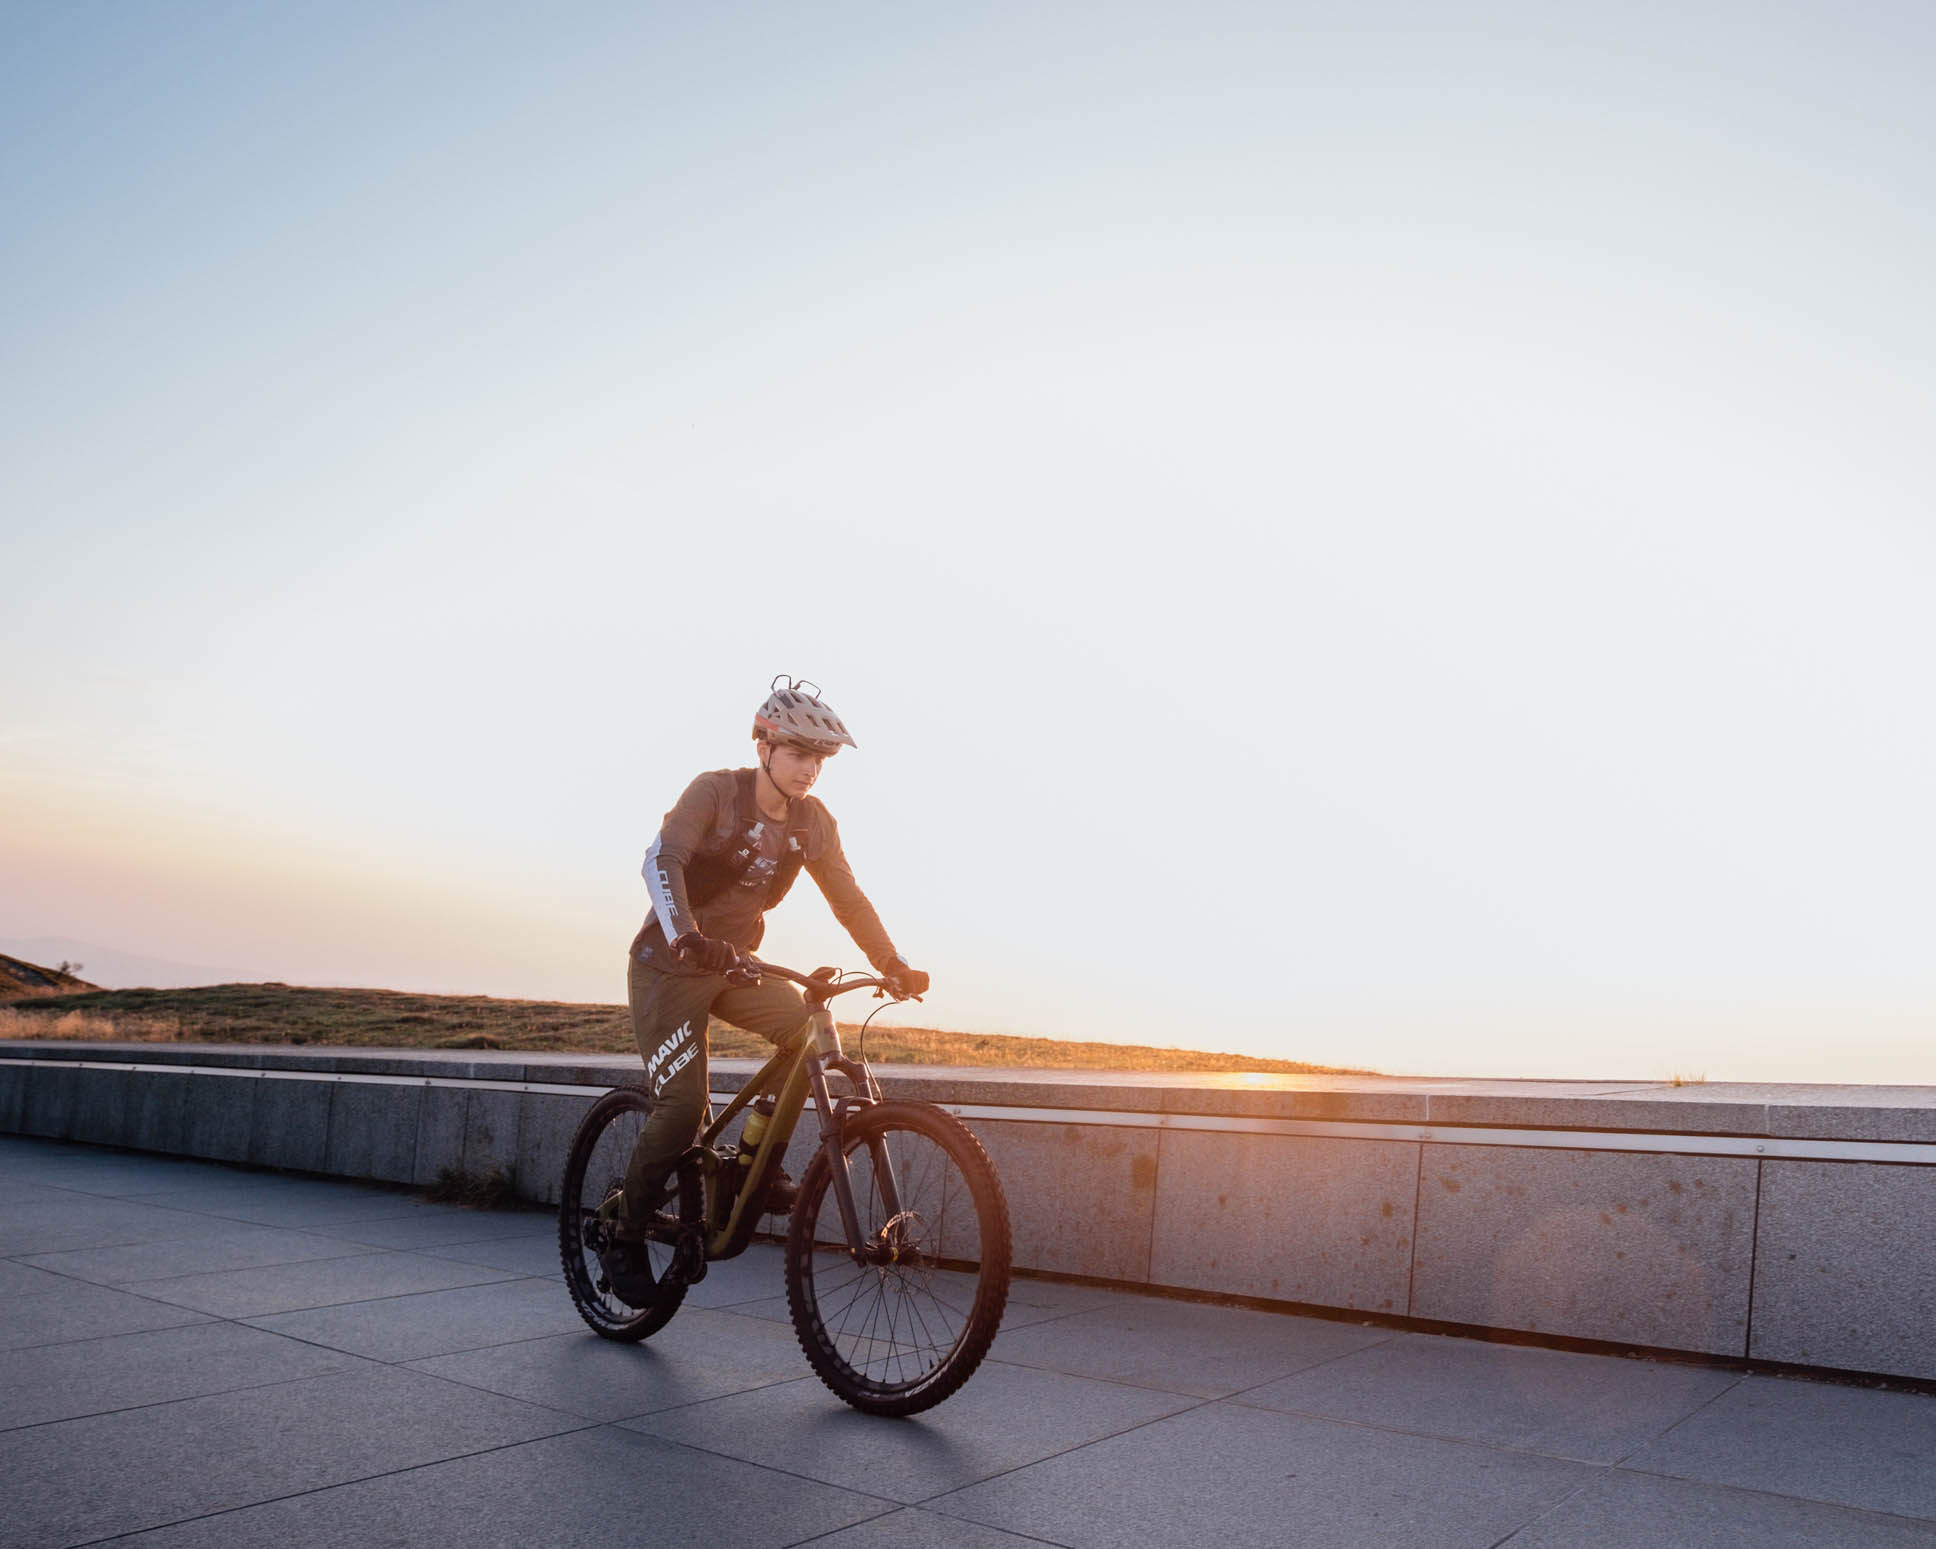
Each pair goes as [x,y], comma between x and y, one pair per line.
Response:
[707,953]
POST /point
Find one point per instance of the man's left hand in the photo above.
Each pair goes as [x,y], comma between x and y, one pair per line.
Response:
[903,982]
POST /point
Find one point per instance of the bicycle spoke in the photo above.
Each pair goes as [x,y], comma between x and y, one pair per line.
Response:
[594,1169]
[900,1325]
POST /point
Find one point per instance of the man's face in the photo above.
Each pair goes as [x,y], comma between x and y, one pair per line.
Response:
[794,769]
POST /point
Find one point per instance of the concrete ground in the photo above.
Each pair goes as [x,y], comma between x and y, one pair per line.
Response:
[193,1354]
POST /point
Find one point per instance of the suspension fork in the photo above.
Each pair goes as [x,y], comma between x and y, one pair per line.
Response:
[833,1129]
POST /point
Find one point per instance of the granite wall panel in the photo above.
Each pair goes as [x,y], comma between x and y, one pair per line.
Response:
[158,1112]
[217,1116]
[1081,1197]
[373,1131]
[546,1124]
[1291,1218]
[48,1108]
[1634,1247]
[491,1133]
[1845,1267]
[13,1096]
[289,1127]
[440,1133]
[102,1111]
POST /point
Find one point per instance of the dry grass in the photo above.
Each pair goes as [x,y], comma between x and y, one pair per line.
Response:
[87,1027]
[291,1014]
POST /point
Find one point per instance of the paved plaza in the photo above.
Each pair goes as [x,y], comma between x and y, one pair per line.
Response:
[194,1354]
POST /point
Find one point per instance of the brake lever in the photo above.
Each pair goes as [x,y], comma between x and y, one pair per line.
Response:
[743,974]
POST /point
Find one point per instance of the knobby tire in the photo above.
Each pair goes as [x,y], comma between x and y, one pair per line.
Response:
[594,1167]
[895,1338]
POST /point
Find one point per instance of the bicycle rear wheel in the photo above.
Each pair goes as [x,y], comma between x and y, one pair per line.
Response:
[900,1329]
[593,1168]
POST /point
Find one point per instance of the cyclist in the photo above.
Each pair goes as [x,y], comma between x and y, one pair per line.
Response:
[727,852]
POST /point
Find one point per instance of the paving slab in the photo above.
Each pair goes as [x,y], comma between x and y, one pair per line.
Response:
[914,1527]
[210,1197]
[1029,1300]
[1241,1478]
[15,1192]
[359,1277]
[1854,1446]
[141,1177]
[232,1245]
[200,1455]
[701,1354]
[17,1279]
[1623,1510]
[1006,1416]
[306,1205]
[437,1225]
[591,1489]
[1597,1408]
[92,1223]
[527,1255]
[1181,1347]
[758,1274]
[77,1310]
[96,1376]
[408,1328]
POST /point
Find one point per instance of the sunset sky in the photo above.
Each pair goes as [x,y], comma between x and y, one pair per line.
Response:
[1400,536]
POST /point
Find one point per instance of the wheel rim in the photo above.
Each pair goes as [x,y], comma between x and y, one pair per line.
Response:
[894,1323]
[604,1171]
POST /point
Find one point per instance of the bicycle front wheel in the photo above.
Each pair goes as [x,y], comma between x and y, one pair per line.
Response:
[594,1167]
[903,1324]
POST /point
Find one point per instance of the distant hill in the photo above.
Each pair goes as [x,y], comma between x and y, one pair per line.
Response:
[20,979]
[283,1013]
[114,969]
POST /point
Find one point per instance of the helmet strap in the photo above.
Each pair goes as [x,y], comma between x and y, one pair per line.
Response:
[766,773]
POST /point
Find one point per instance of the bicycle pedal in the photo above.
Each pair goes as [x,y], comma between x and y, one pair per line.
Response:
[688,1266]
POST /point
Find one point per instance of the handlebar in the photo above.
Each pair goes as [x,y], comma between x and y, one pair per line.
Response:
[819,991]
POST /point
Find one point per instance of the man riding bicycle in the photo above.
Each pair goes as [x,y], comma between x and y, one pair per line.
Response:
[727,852]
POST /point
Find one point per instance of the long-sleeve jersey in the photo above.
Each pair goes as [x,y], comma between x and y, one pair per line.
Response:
[717,865]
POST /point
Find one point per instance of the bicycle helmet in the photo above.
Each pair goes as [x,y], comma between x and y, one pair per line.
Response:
[795,714]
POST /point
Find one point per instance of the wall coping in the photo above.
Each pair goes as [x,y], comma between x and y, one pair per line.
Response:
[1826,1112]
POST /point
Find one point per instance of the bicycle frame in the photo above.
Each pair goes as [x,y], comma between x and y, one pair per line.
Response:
[793,1075]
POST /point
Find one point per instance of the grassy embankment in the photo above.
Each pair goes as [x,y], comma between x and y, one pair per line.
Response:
[289,1014]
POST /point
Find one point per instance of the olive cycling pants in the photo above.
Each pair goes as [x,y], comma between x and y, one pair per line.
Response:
[669,1014]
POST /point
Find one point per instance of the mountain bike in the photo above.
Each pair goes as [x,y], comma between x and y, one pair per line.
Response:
[898,1250]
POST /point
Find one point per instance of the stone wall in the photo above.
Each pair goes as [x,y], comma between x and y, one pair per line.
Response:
[1784,1224]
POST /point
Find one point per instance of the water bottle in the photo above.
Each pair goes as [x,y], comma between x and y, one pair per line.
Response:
[753,1131]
